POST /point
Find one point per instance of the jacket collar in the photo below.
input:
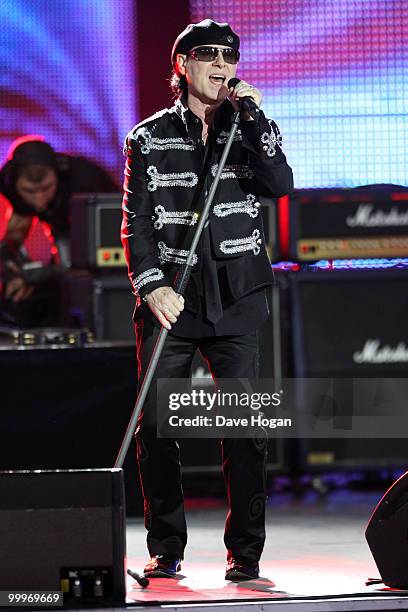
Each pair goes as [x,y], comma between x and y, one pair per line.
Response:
[222,117]
[180,108]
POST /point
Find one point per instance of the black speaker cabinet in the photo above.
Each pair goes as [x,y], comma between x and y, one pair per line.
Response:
[64,531]
[65,408]
[204,456]
[269,212]
[350,324]
[344,319]
[275,346]
[95,231]
[275,361]
[103,302]
[386,535]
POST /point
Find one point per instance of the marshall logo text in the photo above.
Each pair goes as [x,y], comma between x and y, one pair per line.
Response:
[373,352]
[365,216]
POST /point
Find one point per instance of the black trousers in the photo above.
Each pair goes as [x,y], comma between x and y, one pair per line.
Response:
[244,460]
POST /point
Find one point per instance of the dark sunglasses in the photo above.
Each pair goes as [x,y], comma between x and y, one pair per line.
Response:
[209,54]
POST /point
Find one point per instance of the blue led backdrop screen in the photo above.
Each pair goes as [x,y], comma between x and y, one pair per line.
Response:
[68,73]
[334,74]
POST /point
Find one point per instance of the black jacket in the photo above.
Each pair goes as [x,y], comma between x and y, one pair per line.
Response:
[165,186]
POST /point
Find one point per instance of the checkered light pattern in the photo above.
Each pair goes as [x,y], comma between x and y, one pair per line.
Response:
[69,73]
[334,75]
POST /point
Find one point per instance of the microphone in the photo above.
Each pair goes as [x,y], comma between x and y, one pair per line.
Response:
[246,104]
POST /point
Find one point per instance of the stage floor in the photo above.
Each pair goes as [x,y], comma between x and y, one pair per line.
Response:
[315,556]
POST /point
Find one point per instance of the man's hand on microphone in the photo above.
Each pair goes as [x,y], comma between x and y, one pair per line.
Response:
[243,90]
[165,304]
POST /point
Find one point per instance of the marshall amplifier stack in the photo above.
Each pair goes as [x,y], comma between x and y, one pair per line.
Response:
[351,324]
[96,291]
[349,317]
[369,222]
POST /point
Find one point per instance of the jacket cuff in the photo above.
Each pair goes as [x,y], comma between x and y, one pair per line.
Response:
[261,136]
[149,280]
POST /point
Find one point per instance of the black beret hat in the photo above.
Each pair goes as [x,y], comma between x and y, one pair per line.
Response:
[207,32]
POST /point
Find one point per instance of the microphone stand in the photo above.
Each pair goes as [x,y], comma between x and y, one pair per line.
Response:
[180,287]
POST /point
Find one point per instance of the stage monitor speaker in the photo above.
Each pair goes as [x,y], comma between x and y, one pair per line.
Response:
[68,408]
[64,530]
[386,535]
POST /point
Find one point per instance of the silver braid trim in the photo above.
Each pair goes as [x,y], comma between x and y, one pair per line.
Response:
[184,217]
[271,140]
[232,171]
[149,143]
[249,206]
[180,110]
[172,179]
[240,245]
[223,136]
[174,255]
[148,276]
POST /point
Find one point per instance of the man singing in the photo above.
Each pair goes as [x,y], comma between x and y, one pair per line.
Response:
[172,158]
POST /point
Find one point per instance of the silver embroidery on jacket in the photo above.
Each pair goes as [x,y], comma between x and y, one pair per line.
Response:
[174,255]
[180,110]
[132,132]
[239,245]
[270,140]
[248,206]
[184,217]
[148,276]
[232,171]
[151,143]
[223,136]
[172,179]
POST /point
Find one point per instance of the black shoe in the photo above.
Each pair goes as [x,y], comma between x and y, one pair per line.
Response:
[161,566]
[237,571]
